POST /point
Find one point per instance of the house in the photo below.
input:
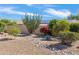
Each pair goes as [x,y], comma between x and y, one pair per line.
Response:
[22,27]
[37,31]
[24,30]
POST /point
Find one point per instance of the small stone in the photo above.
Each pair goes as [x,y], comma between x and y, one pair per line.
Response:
[77,47]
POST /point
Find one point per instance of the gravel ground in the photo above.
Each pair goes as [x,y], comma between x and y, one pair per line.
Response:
[54,46]
[21,46]
[32,45]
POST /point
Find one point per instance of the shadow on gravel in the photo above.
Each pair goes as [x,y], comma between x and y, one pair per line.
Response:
[5,39]
[22,35]
[39,36]
[57,46]
[47,40]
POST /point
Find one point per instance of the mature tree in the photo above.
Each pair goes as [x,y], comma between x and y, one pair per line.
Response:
[72,17]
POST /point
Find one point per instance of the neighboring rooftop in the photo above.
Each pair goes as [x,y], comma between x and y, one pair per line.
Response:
[45,24]
[73,20]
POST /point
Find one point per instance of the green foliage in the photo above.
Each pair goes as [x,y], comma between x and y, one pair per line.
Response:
[62,25]
[13,30]
[2,26]
[69,37]
[5,23]
[51,26]
[8,22]
[32,22]
[76,17]
[72,17]
[74,27]
[58,25]
[52,23]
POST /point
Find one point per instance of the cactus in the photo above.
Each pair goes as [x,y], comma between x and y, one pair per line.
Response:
[32,22]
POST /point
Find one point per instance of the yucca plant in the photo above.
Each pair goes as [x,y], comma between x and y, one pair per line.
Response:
[32,22]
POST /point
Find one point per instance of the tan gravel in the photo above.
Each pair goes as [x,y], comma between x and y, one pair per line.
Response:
[21,47]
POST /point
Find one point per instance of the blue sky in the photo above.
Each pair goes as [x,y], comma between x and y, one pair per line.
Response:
[48,11]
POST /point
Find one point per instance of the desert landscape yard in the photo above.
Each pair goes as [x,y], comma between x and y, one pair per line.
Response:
[29,45]
[39,29]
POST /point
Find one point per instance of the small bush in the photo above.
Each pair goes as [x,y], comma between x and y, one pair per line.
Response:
[13,31]
[74,27]
[58,25]
[44,30]
[62,25]
[69,37]
[2,26]
[52,23]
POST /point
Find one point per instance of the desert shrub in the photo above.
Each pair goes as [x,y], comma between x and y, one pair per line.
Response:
[5,23]
[32,22]
[52,23]
[13,30]
[62,25]
[74,27]
[2,26]
[8,22]
[69,37]
[58,25]
[44,30]
[51,26]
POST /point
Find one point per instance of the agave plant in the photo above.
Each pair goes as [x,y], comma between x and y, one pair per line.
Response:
[32,22]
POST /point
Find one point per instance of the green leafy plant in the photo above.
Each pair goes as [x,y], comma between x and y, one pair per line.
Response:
[13,30]
[7,23]
[62,25]
[32,22]
[74,17]
[52,23]
[2,26]
[58,25]
[69,37]
[51,26]
[74,27]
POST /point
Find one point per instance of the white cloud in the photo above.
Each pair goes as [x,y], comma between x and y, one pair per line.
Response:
[32,14]
[45,15]
[59,13]
[11,10]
